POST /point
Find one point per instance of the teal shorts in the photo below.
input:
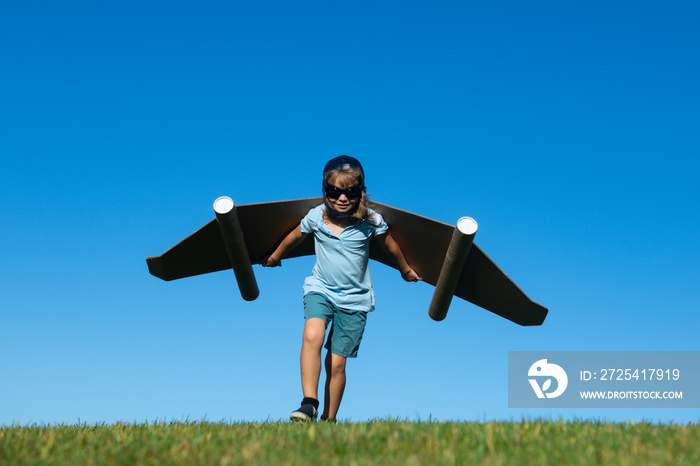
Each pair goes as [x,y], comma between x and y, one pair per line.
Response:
[348,325]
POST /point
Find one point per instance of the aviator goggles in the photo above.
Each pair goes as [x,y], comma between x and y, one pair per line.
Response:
[334,192]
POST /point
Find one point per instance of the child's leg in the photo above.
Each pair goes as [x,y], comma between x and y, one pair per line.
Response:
[335,385]
[310,359]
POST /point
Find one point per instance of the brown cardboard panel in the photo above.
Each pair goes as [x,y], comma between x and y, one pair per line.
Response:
[264,226]
[423,241]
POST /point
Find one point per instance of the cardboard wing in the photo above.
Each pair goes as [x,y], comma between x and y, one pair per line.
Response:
[243,235]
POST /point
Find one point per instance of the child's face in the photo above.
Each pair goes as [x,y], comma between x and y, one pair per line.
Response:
[345,203]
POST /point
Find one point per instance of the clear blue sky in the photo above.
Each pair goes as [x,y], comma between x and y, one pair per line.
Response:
[568,130]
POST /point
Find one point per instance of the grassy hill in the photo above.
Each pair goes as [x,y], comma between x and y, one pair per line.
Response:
[375,442]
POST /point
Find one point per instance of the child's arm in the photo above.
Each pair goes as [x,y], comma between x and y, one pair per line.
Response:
[392,248]
[288,243]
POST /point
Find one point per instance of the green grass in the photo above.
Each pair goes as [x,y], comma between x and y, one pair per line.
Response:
[376,442]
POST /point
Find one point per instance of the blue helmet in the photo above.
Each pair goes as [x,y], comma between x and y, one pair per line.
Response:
[344,162]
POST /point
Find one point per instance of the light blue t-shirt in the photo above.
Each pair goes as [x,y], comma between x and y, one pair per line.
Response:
[341,271]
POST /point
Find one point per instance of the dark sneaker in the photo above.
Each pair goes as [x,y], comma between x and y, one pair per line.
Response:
[304,413]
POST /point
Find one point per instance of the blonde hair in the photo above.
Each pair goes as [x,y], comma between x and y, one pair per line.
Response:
[350,177]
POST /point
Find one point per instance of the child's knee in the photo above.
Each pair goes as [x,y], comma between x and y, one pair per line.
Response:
[337,365]
[314,332]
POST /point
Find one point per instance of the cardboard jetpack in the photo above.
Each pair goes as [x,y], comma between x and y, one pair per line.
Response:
[443,255]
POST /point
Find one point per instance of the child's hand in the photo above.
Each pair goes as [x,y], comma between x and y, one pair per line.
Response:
[270,261]
[411,275]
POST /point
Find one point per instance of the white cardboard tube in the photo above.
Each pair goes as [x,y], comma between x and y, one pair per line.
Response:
[452,267]
[236,249]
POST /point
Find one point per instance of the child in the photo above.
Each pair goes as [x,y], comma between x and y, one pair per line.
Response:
[339,288]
